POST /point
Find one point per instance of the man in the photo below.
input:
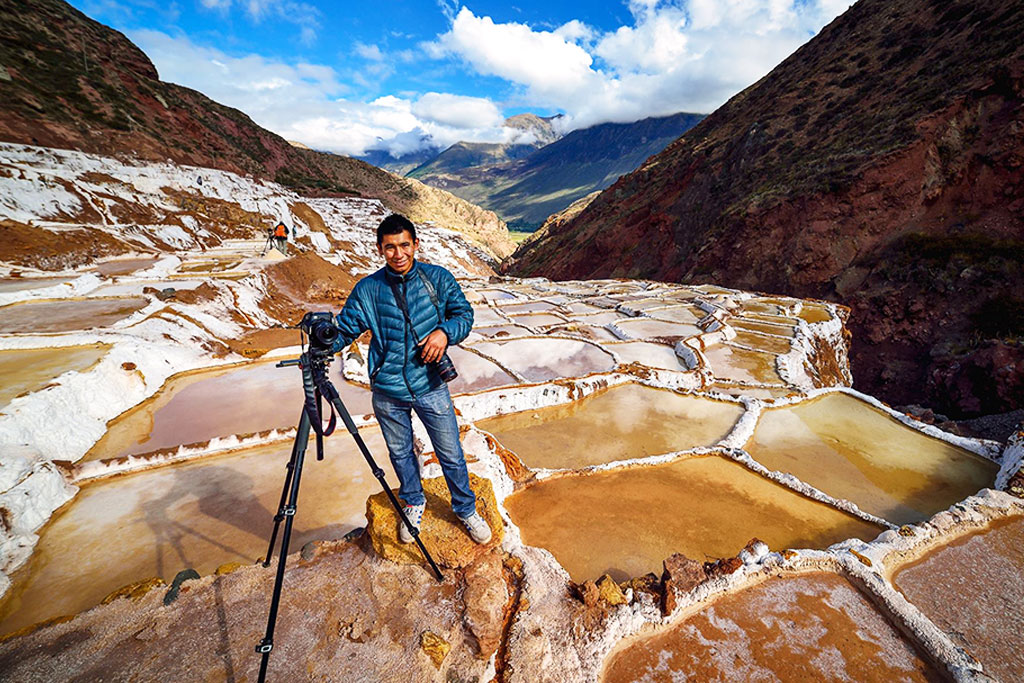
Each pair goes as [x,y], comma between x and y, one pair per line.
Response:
[414,311]
[281,237]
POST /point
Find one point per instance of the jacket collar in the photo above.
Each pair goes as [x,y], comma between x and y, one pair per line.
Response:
[392,276]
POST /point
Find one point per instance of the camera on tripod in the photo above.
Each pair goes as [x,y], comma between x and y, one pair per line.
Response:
[321,331]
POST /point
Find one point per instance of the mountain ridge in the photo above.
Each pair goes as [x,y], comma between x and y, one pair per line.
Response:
[879,166]
[74,83]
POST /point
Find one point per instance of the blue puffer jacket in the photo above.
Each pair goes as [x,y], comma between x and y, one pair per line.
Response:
[396,368]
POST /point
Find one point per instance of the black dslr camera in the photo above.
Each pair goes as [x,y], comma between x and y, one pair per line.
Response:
[321,330]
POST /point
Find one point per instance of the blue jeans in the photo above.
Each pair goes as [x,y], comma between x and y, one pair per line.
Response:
[437,413]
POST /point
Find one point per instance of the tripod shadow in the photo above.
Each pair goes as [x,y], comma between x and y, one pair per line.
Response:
[222,494]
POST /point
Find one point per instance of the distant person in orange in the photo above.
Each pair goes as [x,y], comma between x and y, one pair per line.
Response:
[281,237]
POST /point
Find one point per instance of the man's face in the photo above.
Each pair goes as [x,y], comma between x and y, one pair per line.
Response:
[398,251]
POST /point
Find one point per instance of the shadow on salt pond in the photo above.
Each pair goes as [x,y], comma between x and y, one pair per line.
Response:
[199,515]
[619,423]
[850,449]
[625,522]
[196,407]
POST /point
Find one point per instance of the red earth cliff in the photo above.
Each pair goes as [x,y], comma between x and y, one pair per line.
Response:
[880,166]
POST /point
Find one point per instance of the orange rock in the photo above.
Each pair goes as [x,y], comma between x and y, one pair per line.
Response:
[441,531]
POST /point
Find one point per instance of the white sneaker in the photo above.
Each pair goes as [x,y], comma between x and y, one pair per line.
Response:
[477,527]
[414,513]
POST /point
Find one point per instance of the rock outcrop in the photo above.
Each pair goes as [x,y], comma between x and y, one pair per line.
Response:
[441,531]
[880,166]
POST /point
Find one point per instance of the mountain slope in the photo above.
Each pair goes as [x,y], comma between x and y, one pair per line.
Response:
[526,191]
[70,82]
[881,165]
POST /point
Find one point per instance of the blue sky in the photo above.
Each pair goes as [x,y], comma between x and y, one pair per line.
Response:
[351,76]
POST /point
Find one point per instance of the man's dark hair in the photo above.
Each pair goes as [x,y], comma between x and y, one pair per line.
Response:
[395,224]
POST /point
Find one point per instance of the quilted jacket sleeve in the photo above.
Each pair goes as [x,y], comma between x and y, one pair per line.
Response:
[352,321]
[457,311]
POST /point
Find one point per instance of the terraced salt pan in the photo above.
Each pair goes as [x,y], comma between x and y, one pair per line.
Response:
[647,328]
[484,316]
[815,627]
[502,331]
[742,365]
[850,449]
[67,316]
[646,353]
[538,319]
[541,359]
[135,288]
[28,370]
[476,373]
[529,307]
[814,314]
[599,319]
[761,326]
[762,342]
[197,515]
[124,266]
[620,423]
[678,314]
[625,522]
[195,407]
[496,294]
[20,284]
[985,572]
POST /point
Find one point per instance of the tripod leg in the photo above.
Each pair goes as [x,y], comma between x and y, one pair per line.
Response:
[379,474]
[279,517]
[267,644]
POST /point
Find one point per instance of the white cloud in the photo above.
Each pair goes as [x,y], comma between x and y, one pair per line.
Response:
[458,111]
[305,102]
[371,52]
[304,15]
[689,55]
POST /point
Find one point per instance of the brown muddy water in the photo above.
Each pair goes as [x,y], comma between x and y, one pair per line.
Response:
[29,370]
[742,365]
[815,627]
[850,449]
[20,284]
[625,522]
[195,515]
[620,423]
[67,315]
[985,573]
[124,266]
[195,407]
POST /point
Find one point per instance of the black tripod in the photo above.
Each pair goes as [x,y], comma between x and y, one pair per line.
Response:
[316,385]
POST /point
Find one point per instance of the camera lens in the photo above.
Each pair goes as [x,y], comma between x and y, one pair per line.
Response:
[446,369]
[324,333]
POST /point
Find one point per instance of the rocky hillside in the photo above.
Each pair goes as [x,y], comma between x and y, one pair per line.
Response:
[530,184]
[70,82]
[881,166]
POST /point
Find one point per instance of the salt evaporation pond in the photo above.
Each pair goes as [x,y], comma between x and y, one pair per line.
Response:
[539,360]
[484,316]
[985,571]
[197,515]
[647,328]
[195,407]
[528,307]
[67,315]
[20,284]
[678,314]
[815,627]
[622,422]
[646,353]
[763,342]
[29,370]
[850,449]
[502,331]
[760,326]
[742,365]
[625,522]
[123,266]
[537,319]
[475,373]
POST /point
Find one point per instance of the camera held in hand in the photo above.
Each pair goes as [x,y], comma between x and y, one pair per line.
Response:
[445,368]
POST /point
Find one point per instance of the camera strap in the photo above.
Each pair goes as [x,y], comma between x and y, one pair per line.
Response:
[400,300]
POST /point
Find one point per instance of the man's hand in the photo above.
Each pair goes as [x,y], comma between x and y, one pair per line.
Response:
[433,345]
